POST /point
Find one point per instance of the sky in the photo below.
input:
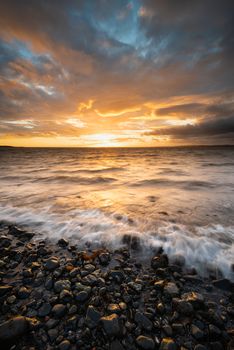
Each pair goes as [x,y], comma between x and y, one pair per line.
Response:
[96,73]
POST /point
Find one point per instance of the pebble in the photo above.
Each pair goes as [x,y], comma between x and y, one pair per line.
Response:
[167,344]
[111,325]
[145,343]
[59,310]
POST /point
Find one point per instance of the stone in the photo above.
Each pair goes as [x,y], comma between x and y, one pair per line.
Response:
[143,321]
[116,345]
[51,263]
[65,295]
[14,328]
[111,325]
[64,345]
[59,310]
[44,310]
[214,331]
[23,293]
[104,259]
[224,284]
[171,289]
[92,317]
[5,241]
[167,344]
[53,334]
[82,296]
[200,347]
[137,287]
[184,308]
[62,242]
[62,284]
[160,261]
[196,332]
[145,343]
[51,323]
[196,299]
[5,290]
[113,308]
[117,275]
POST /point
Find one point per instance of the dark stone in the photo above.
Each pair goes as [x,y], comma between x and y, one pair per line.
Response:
[224,284]
[184,308]
[143,321]
[167,344]
[133,242]
[111,325]
[14,328]
[23,235]
[5,290]
[64,345]
[160,261]
[104,259]
[23,293]
[200,347]
[82,296]
[59,310]
[197,333]
[116,345]
[117,275]
[92,317]
[145,343]
[51,263]
[44,310]
[214,331]
[62,242]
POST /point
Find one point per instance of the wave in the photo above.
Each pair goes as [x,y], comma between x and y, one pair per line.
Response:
[186,184]
[203,247]
[62,179]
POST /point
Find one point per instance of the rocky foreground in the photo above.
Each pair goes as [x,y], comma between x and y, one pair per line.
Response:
[55,296]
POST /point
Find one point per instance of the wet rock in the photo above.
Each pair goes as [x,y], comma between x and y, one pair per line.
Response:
[62,284]
[167,344]
[23,293]
[116,345]
[114,308]
[51,323]
[104,259]
[111,325]
[171,289]
[133,242]
[137,287]
[82,296]
[117,275]
[51,263]
[62,242]
[5,290]
[214,331]
[11,299]
[53,334]
[64,345]
[23,235]
[145,343]
[160,261]
[14,328]
[5,241]
[44,310]
[59,310]
[196,299]
[167,330]
[143,321]
[196,332]
[92,317]
[224,284]
[184,308]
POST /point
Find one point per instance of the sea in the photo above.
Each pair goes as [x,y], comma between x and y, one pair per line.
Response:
[180,199]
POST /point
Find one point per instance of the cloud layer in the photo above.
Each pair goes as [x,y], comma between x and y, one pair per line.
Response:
[122,73]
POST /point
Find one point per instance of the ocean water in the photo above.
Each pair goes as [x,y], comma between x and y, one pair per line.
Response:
[179,198]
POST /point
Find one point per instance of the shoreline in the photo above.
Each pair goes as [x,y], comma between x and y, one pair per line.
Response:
[55,296]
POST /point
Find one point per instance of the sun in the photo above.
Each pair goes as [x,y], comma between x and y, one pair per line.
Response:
[102,140]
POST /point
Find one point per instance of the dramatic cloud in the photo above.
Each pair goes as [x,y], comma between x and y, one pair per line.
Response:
[121,73]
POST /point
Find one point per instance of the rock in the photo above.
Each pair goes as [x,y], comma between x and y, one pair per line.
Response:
[21,234]
[62,284]
[62,242]
[53,334]
[214,331]
[11,299]
[137,287]
[167,344]
[196,332]
[113,308]
[64,345]
[184,308]
[178,260]
[5,290]
[14,328]
[159,261]
[111,325]
[133,242]
[143,321]
[51,323]
[145,343]
[59,310]
[167,330]
[178,328]
[200,347]
[51,263]
[104,259]
[116,345]
[117,275]
[196,299]
[5,241]
[65,295]
[44,310]
[82,296]
[216,345]
[224,284]
[92,317]
[23,293]
[171,289]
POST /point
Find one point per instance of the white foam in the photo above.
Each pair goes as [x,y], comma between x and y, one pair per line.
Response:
[203,247]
